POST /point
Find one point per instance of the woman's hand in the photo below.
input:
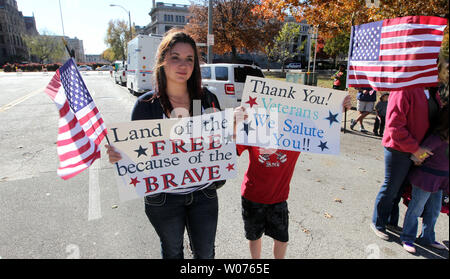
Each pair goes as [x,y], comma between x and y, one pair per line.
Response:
[114,156]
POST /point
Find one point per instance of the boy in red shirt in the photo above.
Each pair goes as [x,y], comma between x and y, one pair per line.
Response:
[265,191]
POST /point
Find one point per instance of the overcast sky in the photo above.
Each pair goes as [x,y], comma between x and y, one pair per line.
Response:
[86,19]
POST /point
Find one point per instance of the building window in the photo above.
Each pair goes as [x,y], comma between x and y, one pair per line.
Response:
[168,18]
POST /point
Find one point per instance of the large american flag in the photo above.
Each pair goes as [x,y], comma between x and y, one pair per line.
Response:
[81,128]
[396,53]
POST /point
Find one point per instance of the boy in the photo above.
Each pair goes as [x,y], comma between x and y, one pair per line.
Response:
[265,191]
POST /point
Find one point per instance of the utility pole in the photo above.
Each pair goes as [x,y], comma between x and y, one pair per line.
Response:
[210,32]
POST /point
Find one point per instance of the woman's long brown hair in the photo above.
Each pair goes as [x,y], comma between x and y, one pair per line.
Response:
[194,83]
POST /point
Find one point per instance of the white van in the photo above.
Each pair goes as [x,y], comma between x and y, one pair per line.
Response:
[141,60]
[227,81]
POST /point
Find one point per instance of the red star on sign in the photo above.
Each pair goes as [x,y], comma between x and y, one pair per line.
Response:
[134,181]
[230,167]
[251,101]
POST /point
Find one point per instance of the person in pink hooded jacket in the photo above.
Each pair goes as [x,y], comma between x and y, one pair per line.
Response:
[408,118]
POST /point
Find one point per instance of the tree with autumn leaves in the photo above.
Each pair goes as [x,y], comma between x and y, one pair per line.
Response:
[335,17]
[236,27]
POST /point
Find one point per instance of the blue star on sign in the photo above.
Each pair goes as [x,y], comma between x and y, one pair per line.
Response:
[332,118]
[323,145]
[141,151]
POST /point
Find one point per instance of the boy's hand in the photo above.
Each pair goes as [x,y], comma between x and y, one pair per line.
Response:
[240,114]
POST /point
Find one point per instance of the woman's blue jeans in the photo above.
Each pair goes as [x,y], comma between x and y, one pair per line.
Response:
[170,214]
[386,211]
[430,205]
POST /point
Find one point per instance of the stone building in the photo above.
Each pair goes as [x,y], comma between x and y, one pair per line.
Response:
[12,26]
[166,16]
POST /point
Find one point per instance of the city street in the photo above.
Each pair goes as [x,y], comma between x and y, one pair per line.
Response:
[42,216]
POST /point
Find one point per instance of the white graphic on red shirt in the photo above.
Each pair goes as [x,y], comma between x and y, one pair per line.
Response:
[272,160]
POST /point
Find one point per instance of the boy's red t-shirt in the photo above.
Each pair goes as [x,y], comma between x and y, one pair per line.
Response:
[268,175]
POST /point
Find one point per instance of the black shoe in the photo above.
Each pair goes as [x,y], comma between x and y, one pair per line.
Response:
[352,124]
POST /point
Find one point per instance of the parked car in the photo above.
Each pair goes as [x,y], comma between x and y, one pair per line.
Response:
[120,76]
[105,68]
[227,81]
[294,66]
[84,68]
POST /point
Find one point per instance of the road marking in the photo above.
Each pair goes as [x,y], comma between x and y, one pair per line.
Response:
[20,100]
[95,210]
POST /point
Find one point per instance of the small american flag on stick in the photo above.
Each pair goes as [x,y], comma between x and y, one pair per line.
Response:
[81,128]
[396,53]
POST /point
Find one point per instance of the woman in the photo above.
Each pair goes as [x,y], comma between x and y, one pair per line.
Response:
[178,84]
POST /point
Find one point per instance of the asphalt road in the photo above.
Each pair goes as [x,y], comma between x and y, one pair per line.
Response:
[42,216]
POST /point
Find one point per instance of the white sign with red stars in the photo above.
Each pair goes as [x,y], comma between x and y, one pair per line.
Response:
[291,116]
[173,155]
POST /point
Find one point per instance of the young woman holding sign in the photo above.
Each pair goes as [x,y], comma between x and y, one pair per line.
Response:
[178,84]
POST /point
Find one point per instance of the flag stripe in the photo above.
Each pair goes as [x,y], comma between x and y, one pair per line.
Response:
[67,173]
[400,45]
[410,50]
[69,126]
[427,20]
[392,68]
[415,56]
[385,88]
[392,80]
[377,85]
[86,160]
[77,152]
[415,38]
[409,32]
[391,74]
[74,138]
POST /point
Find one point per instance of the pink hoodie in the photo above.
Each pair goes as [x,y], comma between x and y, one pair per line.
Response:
[406,120]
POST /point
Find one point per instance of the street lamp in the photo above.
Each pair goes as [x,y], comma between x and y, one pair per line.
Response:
[129,17]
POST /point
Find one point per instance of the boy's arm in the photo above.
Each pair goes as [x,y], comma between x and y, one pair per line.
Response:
[240,149]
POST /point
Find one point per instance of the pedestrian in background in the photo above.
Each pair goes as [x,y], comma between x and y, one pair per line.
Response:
[380,120]
[178,84]
[366,98]
[428,180]
[340,78]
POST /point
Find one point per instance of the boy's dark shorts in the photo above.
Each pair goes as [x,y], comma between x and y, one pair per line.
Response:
[271,219]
